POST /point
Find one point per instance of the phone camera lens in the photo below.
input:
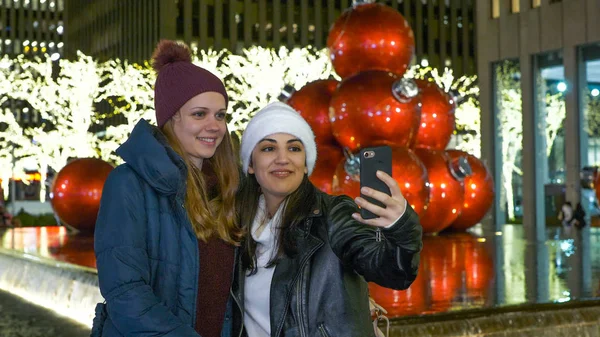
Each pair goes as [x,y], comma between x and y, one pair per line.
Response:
[369,154]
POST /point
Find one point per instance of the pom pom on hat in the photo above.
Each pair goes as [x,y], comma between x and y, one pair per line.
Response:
[278,118]
[168,52]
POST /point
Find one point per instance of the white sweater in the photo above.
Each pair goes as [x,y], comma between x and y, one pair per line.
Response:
[257,287]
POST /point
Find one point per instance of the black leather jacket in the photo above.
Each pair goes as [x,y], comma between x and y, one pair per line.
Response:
[322,292]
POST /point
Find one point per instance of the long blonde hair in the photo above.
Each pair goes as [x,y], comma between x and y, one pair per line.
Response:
[216,216]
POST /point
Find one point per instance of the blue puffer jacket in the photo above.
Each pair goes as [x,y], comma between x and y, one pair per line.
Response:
[146,249]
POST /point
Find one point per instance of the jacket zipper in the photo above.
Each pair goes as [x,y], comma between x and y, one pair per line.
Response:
[280,327]
[299,300]
[322,330]
[290,292]
[299,293]
[378,235]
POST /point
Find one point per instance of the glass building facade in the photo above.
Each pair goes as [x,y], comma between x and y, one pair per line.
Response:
[538,65]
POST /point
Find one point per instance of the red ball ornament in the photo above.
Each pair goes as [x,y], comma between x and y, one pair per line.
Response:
[479,192]
[446,190]
[411,175]
[437,116]
[76,192]
[370,37]
[312,102]
[407,170]
[375,108]
[328,157]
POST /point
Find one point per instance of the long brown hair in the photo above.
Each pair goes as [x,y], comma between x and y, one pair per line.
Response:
[216,216]
[298,206]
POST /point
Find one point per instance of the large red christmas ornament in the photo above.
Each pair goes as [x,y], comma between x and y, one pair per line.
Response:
[312,102]
[446,190]
[76,192]
[437,116]
[411,175]
[327,160]
[375,108]
[479,192]
[370,37]
[407,170]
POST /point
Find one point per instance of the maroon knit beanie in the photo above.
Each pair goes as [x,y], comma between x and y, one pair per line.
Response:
[178,79]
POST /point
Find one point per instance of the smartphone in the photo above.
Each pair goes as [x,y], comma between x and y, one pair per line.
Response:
[374,159]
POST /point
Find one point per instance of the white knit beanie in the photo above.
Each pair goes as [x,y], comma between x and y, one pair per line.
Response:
[278,118]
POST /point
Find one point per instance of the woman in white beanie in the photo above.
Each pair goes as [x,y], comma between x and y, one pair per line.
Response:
[303,268]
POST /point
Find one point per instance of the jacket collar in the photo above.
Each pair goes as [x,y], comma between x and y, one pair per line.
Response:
[147,152]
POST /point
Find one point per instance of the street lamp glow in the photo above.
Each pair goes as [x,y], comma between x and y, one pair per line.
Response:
[561,86]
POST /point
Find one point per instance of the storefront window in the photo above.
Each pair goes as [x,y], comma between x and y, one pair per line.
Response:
[589,93]
[549,95]
[509,120]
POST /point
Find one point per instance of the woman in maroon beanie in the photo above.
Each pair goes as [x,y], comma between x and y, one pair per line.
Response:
[166,228]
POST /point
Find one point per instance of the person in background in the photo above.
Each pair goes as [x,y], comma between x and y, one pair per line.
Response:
[565,215]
